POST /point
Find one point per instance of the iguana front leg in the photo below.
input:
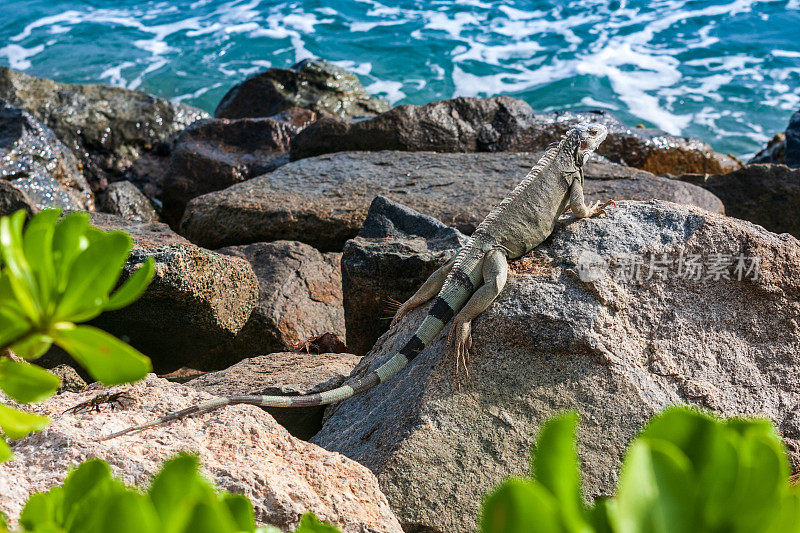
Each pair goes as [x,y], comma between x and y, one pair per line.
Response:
[578,205]
[429,289]
[495,273]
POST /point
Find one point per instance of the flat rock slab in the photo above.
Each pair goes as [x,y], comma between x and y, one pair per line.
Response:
[616,347]
[323,201]
[241,448]
[767,194]
[299,297]
[283,373]
[197,301]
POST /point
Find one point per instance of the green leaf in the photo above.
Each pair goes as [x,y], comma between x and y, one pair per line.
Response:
[26,383]
[69,240]
[311,524]
[520,506]
[39,512]
[16,424]
[92,276]
[129,512]
[5,450]
[107,359]
[32,346]
[555,466]
[90,474]
[241,511]
[174,491]
[13,325]
[37,243]
[133,287]
[20,276]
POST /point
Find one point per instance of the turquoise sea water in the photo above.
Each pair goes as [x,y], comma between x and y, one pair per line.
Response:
[726,72]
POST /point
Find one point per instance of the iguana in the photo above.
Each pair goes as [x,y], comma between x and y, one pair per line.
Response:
[467,284]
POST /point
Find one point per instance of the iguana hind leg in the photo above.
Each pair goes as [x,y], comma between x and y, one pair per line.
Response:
[429,289]
[495,273]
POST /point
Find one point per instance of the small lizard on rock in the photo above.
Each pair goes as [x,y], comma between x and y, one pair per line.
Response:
[466,285]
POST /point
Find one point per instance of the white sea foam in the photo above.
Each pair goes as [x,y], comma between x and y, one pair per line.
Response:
[18,56]
[391,90]
[195,94]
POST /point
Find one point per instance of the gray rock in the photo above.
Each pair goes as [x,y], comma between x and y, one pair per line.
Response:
[768,195]
[241,449]
[312,84]
[124,199]
[323,201]
[36,162]
[285,373]
[793,141]
[299,296]
[505,124]
[393,254]
[108,128]
[13,199]
[198,300]
[616,349]
[214,154]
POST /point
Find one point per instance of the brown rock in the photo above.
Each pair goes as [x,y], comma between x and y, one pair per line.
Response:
[299,296]
[285,373]
[214,154]
[323,201]
[125,200]
[501,124]
[198,299]
[615,347]
[768,195]
[774,152]
[312,84]
[241,448]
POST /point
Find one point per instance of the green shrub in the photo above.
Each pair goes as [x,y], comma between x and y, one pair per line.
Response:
[178,500]
[685,472]
[54,274]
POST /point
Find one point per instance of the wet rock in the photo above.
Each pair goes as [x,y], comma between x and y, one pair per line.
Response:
[198,300]
[312,84]
[297,117]
[241,449]
[323,201]
[13,199]
[299,296]
[793,142]
[124,199]
[617,348]
[393,254]
[214,154]
[108,128]
[285,373]
[35,161]
[768,195]
[504,124]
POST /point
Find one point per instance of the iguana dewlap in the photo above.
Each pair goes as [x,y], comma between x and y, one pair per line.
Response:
[465,286]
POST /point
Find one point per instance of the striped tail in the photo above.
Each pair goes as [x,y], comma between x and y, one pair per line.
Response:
[434,322]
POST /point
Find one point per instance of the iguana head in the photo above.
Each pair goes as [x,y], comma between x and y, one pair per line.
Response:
[590,136]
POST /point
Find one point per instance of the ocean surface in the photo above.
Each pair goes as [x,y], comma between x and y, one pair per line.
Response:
[726,72]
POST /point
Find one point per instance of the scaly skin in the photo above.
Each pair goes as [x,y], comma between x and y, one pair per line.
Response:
[464,287]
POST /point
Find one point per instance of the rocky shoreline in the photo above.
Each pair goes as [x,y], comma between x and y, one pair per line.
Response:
[305,203]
